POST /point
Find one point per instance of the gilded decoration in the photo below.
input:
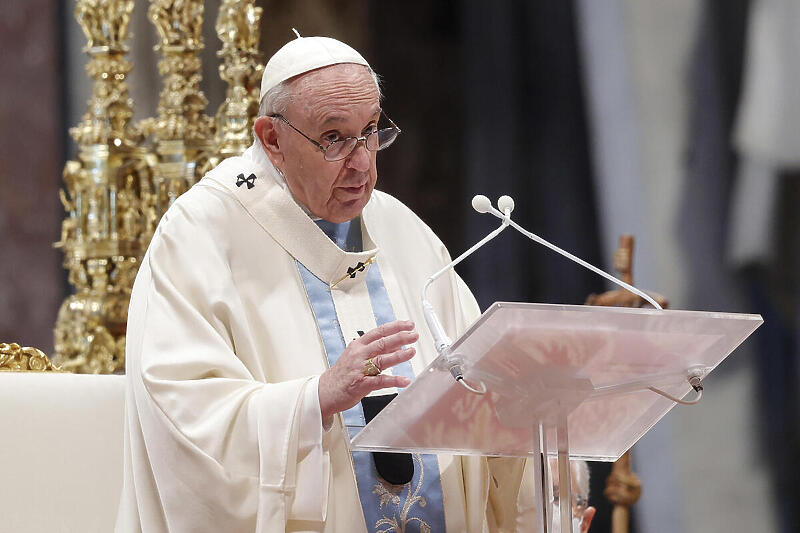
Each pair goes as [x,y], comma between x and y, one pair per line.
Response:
[126,175]
[16,358]
[106,195]
[238,28]
[182,133]
[400,501]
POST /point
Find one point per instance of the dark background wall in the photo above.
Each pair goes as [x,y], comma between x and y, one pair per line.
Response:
[31,158]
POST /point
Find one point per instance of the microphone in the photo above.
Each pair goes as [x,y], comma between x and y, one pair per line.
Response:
[481,204]
[505,203]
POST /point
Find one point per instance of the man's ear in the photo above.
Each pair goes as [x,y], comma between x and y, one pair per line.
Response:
[268,135]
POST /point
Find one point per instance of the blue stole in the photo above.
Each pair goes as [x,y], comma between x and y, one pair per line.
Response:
[418,505]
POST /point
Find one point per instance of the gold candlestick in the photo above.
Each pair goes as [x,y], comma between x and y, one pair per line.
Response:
[118,188]
[103,235]
[238,28]
[182,133]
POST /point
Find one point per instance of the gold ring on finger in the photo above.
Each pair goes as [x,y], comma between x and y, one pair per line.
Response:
[370,368]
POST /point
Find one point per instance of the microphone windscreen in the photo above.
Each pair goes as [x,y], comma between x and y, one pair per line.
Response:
[481,204]
[505,202]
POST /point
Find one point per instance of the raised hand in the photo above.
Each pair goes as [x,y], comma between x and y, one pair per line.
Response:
[348,380]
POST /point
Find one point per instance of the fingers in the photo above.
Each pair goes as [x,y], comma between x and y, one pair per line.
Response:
[389,360]
[391,343]
[384,330]
[345,383]
[384,381]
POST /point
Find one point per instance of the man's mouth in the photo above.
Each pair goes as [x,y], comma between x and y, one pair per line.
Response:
[355,191]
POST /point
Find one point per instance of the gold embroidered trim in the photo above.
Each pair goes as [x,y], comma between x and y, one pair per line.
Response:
[391,495]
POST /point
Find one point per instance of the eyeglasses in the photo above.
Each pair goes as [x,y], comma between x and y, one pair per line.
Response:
[579,503]
[341,148]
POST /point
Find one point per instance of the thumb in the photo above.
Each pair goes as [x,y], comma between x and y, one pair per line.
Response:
[588,515]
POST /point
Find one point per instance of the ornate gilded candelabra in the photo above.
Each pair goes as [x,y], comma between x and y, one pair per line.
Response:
[106,193]
[183,135]
[238,29]
[120,185]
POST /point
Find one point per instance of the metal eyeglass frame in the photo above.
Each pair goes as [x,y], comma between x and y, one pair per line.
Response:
[346,139]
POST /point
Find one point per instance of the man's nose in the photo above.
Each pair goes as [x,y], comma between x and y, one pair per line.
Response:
[359,158]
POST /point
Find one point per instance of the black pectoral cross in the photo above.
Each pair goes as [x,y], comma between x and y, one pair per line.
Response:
[352,271]
[249,180]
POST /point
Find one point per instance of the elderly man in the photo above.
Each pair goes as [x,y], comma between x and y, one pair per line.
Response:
[276,294]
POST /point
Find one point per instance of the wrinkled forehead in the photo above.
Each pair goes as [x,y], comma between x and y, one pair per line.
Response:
[340,85]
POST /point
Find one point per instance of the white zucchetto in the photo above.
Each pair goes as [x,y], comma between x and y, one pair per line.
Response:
[305,54]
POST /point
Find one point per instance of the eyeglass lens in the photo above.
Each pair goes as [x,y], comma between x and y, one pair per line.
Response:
[377,140]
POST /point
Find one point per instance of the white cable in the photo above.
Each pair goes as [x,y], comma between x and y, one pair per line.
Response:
[536,238]
[440,338]
[463,256]
[676,400]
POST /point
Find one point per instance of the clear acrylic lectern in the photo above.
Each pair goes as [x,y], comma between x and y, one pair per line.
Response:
[566,380]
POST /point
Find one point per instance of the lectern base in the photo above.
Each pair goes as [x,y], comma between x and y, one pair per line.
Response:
[543,485]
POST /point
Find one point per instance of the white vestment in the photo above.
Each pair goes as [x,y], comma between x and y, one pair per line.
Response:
[223,429]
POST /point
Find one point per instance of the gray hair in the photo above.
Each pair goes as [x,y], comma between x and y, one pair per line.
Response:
[277,99]
[581,472]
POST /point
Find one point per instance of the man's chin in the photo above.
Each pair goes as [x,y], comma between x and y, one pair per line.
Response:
[348,209]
